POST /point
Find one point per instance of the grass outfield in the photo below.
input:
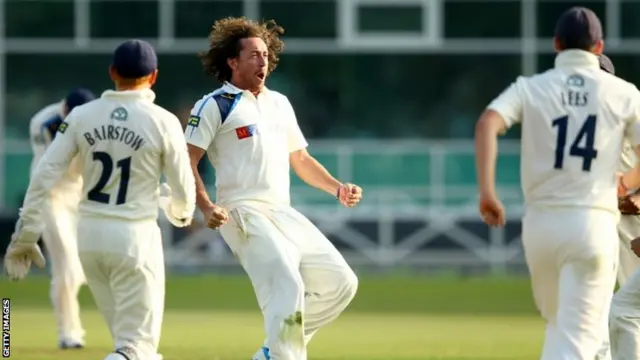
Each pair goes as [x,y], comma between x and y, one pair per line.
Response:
[397,318]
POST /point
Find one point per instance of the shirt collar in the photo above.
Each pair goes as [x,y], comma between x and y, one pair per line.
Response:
[577,58]
[145,94]
[232,89]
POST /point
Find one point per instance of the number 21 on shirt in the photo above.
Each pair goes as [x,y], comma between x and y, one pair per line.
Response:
[582,145]
[96,194]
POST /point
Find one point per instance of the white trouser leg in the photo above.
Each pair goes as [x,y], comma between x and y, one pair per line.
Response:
[128,284]
[329,282]
[60,237]
[628,229]
[625,320]
[272,263]
[572,256]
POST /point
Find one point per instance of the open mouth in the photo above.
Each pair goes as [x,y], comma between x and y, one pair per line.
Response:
[261,75]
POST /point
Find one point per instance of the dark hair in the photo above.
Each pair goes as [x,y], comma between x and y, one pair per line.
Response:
[225,43]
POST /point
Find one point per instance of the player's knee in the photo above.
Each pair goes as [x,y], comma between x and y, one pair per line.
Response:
[291,283]
[349,285]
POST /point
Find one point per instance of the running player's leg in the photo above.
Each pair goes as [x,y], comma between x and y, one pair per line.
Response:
[66,273]
[138,286]
[272,262]
[625,320]
[544,273]
[587,279]
[99,284]
[573,263]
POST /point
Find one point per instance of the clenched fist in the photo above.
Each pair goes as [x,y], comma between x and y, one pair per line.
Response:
[216,216]
[349,195]
[492,210]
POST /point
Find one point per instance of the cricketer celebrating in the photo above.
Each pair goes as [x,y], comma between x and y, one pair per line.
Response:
[60,218]
[252,138]
[574,118]
[125,143]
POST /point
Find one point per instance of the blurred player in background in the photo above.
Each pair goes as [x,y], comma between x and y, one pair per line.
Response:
[125,142]
[629,226]
[574,120]
[624,326]
[252,138]
[59,215]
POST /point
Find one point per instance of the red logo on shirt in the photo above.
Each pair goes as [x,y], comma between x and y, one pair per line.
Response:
[246,131]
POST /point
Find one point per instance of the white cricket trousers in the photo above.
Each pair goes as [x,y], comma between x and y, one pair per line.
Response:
[300,279]
[124,265]
[60,236]
[624,322]
[572,255]
[628,229]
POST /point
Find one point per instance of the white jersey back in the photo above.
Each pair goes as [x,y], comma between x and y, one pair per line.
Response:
[575,118]
[248,140]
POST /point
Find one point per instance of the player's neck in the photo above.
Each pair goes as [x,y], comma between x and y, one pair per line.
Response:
[120,87]
[241,86]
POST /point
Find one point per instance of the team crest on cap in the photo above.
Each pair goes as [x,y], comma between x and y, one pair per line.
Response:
[120,114]
[63,127]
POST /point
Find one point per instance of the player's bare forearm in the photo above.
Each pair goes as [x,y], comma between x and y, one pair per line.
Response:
[203,201]
[312,172]
[488,128]
[202,196]
[631,179]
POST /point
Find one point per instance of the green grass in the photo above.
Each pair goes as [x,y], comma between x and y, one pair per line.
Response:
[395,318]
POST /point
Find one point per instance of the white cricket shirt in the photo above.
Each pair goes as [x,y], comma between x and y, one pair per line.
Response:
[42,130]
[125,142]
[574,118]
[36,137]
[629,157]
[248,140]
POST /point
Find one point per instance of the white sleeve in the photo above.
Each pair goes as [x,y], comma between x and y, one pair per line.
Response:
[509,103]
[204,122]
[295,137]
[177,171]
[49,170]
[632,130]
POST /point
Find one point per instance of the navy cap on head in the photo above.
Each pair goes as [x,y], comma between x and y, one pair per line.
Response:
[578,28]
[135,59]
[77,97]
[606,64]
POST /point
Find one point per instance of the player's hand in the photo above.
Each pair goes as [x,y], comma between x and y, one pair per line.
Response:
[349,195]
[635,246]
[216,216]
[22,251]
[492,210]
[622,188]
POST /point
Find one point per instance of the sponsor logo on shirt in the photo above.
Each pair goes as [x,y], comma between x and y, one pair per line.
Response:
[194,120]
[63,127]
[246,131]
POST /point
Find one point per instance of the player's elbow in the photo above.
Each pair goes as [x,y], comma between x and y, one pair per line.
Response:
[490,123]
[299,159]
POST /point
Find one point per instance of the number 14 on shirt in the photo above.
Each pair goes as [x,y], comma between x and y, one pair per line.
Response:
[582,146]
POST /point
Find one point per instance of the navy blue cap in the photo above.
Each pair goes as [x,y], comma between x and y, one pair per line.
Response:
[77,97]
[134,59]
[578,28]
[606,64]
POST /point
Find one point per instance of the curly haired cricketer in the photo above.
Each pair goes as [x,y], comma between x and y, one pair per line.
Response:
[251,136]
